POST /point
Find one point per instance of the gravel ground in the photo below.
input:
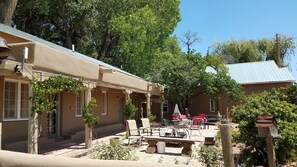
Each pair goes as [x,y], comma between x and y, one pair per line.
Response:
[172,155]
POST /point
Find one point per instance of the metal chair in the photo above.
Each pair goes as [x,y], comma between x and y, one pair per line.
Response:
[196,124]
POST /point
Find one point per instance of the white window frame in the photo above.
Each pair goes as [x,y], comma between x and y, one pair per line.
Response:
[77,112]
[104,109]
[18,100]
[165,105]
[212,105]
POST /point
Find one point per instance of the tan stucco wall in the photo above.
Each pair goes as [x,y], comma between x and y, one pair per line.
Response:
[12,39]
[156,110]
[114,97]
[70,123]
[55,61]
[17,50]
[261,87]
[12,131]
[200,104]
[121,79]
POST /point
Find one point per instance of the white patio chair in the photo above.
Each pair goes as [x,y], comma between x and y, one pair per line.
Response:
[133,131]
[196,124]
[146,127]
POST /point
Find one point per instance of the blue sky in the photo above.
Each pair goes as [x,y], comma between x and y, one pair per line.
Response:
[221,20]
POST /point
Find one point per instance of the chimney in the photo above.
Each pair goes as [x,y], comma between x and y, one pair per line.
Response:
[277,58]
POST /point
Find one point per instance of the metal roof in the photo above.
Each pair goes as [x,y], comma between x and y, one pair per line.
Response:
[21,34]
[259,72]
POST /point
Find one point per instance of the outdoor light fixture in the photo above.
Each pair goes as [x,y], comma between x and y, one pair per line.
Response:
[4,48]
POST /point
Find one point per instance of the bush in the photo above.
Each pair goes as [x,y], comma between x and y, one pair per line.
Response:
[211,155]
[271,103]
[114,151]
[151,117]
[130,110]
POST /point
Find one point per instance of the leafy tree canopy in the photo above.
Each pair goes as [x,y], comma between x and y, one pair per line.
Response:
[124,33]
[185,75]
[240,51]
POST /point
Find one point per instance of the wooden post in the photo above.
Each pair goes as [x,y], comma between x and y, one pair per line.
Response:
[148,104]
[32,127]
[88,136]
[227,145]
[88,130]
[270,151]
[0,135]
[33,133]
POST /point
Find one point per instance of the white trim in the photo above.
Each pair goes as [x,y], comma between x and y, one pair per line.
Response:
[167,106]
[82,104]
[212,105]
[18,98]
[104,103]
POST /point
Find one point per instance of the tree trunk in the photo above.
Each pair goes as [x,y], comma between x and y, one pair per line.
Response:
[88,136]
[7,8]
[33,134]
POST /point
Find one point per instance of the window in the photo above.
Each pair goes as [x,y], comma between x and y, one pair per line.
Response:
[165,106]
[104,103]
[212,106]
[16,100]
[79,104]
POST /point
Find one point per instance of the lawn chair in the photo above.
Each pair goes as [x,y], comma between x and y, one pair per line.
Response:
[196,124]
[133,131]
[146,126]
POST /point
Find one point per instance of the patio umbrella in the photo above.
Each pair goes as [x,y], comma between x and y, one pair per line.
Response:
[176,110]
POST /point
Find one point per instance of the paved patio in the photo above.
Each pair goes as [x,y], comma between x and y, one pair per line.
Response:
[69,148]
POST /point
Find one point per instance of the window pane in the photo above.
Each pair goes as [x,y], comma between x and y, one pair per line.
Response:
[165,106]
[104,103]
[79,104]
[10,100]
[24,100]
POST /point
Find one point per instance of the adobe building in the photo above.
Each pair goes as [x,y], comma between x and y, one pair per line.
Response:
[110,86]
[254,77]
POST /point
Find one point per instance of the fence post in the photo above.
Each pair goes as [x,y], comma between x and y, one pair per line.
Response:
[227,145]
[270,151]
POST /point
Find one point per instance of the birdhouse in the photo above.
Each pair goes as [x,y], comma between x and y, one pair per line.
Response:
[267,126]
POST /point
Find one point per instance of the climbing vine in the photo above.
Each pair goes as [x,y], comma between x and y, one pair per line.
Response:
[88,116]
[43,94]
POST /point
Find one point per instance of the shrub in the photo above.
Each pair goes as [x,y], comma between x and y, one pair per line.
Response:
[210,155]
[272,103]
[130,110]
[151,117]
[114,151]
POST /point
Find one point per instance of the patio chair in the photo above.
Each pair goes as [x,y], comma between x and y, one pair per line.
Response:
[146,126]
[133,131]
[196,124]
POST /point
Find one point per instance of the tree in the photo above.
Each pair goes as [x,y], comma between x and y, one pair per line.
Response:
[185,75]
[272,103]
[126,34]
[61,22]
[7,8]
[240,51]
[189,39]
